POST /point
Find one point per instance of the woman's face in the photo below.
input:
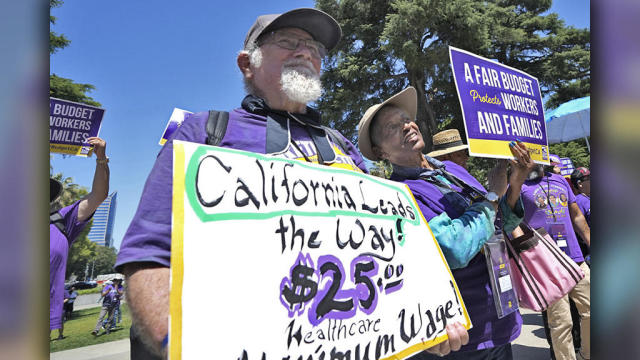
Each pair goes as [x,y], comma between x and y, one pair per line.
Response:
[397,136]
[585,186]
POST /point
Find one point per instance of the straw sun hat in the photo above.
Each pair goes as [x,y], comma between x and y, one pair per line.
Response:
[447,142]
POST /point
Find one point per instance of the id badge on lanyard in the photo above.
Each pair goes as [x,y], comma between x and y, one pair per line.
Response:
[558,232]
[557,229]
[504,295]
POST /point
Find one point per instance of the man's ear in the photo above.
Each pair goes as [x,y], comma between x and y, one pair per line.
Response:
[244,64]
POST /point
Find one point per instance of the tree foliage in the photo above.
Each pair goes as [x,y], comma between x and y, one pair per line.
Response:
[105,259]
[381,169]
[479,168]
[56,41]
[389,45]
[60,87]
[63,88]
[81,253]
[575,150]
[71,192]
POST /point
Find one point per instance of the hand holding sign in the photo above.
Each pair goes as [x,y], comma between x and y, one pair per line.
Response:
[522,165]
[458,336]
[71,125]
[99,147]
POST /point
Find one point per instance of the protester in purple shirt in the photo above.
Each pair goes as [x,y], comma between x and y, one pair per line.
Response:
[560,220]
[111,294]
[66,224]
[555,217]
[584,203]
[281,75]
[461,220]
[581,180]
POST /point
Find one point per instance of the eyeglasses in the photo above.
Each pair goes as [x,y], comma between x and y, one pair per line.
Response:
[394,127]
[287,41]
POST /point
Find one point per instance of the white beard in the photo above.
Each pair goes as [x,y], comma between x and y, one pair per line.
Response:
[300,82]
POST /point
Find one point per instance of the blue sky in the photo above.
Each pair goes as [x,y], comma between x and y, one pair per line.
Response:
[145,58]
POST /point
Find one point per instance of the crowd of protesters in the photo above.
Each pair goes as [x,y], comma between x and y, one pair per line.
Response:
[280,65]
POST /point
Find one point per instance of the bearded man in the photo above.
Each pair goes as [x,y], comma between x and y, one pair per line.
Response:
[280,64]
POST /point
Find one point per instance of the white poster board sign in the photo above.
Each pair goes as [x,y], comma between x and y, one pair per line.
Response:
[274,258]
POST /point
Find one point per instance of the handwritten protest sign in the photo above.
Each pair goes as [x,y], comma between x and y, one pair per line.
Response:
[274,258]
[71,124]
[499,104]
[175,120]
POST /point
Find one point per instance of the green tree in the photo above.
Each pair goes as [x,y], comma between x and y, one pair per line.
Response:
[381,169]
[60,87]
[71,192]
[575,150]
[81,253]
[389,45]
[56,41]
[104,260]
[479,168]
[63,88]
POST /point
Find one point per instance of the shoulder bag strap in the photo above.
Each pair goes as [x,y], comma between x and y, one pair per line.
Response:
[526,274]
[335,137]
[216,126]
[57,220]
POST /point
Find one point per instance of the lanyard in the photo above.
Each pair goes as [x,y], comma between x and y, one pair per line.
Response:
[474,193]
[549,200]
[295,145]
[468,195]
[320,141]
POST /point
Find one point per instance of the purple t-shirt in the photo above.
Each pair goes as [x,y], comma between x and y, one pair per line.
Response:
[584,203]
[542,195]
[112,297]
[58,251]
[473,280]
[148,238]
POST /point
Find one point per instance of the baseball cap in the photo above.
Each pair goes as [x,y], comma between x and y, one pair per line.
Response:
[579,174]
[320,25]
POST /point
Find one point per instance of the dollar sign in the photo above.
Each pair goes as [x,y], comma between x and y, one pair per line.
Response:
[302,287]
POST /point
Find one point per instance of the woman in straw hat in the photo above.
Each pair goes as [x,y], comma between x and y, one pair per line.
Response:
[461,217]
